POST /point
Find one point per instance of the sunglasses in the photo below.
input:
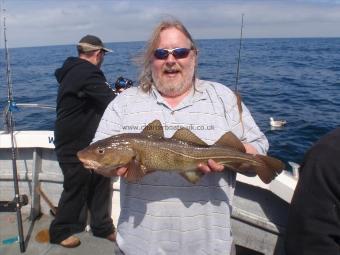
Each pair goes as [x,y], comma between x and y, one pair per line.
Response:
[178,53]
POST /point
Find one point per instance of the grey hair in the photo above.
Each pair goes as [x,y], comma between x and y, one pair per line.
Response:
[145,78]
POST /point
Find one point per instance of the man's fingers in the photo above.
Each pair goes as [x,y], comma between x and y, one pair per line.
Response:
[204,168]
[215,166]
[212,166]
[121,171]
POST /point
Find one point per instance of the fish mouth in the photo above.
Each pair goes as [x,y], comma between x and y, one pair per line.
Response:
[96,166]
[90,164]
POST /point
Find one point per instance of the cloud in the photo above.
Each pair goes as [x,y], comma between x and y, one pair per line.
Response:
[64,22]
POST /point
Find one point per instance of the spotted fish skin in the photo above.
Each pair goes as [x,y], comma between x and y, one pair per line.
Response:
[150,151]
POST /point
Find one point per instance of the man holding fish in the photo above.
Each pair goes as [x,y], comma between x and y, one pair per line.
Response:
[162,212]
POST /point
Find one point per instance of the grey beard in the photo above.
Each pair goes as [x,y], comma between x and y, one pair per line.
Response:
[171,91]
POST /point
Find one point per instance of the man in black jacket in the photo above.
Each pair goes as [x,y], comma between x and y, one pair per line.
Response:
[314,218]
[83,95]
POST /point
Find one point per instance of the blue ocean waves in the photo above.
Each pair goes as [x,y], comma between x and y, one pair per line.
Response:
[293,79]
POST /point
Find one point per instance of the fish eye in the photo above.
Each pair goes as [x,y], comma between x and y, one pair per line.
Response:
[101,150]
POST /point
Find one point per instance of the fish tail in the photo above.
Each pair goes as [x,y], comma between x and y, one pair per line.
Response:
[269,168]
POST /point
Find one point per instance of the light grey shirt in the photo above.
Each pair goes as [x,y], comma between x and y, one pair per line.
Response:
[163,213]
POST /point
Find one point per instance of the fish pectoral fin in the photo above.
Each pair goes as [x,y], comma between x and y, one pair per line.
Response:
[136,171]
[184,134]
[192,176]
[154,128]
[230,140]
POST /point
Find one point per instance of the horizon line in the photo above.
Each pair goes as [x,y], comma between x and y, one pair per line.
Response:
[199,39]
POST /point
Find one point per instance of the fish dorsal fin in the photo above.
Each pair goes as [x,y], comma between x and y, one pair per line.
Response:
[154,128]
[230,140]
[184,134]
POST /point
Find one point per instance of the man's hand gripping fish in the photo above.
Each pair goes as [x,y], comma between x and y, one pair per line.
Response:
[150,151]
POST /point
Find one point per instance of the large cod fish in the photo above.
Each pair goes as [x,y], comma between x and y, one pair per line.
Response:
[149,151]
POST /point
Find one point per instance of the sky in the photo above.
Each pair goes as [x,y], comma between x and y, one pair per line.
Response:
[56,22]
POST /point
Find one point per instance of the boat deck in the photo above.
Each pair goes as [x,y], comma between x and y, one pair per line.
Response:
[9,232]
[89,243]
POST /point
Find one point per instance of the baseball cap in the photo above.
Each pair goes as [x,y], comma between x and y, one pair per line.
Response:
[90,43]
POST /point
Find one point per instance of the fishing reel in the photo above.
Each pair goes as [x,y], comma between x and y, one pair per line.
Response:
[122,83]
[14,205]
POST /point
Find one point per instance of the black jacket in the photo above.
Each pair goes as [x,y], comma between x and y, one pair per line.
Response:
[314,219]
[83,95]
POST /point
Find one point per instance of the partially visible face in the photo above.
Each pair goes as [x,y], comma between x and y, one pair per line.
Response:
[173,77]
[100,58]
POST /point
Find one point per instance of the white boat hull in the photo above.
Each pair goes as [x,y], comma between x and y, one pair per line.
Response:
[259,213]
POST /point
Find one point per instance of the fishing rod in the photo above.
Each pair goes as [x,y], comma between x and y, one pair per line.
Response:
[30,105]
[19,200]
[238,96]
[17,106]
[239,57]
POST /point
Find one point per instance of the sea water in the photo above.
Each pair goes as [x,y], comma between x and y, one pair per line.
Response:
[297,80]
